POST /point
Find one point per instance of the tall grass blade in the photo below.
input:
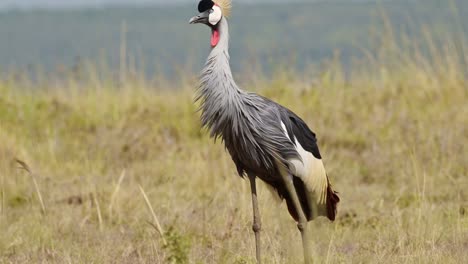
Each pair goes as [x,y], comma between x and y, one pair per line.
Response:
[155,218]
[25,167]
[98,211]
[116,191]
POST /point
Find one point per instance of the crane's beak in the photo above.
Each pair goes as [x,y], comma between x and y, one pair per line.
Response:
[200,18]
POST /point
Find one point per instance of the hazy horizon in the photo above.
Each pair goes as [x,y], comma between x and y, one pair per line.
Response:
[54,4]
[5,4]
[160,39]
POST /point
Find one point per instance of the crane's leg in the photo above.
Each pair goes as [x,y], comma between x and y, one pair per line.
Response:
[257,225]
[302,223]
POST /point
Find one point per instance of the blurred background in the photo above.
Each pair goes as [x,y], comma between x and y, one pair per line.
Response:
[153,36]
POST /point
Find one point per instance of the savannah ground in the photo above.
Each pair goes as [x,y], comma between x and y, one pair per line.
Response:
[393,135]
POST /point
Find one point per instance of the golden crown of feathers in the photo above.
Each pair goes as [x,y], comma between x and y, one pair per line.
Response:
[225,5]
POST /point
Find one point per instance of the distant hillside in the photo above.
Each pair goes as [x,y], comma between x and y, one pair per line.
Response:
[161,38]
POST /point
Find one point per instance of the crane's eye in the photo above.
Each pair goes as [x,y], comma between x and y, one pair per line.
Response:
[211,11]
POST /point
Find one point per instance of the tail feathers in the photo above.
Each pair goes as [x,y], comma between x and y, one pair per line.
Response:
[307,199]
[332,200]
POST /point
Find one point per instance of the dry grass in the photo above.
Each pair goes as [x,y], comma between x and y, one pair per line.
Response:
[393,137]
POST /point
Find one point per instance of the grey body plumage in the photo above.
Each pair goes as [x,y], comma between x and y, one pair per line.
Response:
[248,124]
[264,139]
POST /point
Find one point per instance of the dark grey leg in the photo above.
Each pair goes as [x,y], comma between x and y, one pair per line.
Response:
[257,225]
[302,224]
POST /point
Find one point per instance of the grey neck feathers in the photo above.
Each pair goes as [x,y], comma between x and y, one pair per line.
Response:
[221,99]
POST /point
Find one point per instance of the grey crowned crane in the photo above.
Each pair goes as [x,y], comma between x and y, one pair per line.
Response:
[264,139]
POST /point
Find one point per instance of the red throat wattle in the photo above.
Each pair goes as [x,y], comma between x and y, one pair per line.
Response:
[214,37]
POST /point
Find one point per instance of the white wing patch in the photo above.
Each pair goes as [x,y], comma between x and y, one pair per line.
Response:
[311,171]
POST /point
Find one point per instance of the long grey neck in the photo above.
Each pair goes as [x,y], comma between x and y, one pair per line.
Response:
[220,97]
[217,73]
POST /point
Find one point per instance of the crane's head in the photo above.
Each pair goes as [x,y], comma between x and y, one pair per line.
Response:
[211,13]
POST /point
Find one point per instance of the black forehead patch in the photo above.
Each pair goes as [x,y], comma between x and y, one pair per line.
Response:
[205,5]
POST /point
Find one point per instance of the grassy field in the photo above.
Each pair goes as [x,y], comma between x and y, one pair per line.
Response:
[77,156]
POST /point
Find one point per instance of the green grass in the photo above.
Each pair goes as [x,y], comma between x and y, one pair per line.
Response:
[393,136]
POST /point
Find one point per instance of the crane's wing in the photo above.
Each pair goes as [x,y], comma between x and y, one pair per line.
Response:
[310,179]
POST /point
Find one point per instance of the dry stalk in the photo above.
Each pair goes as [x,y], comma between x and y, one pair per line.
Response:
[98,210]
[2,194]
[2,203]
[25,167]
[330,246]
[155,218]
[116,191]
[84,221]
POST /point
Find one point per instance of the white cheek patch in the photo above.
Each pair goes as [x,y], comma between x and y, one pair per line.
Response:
[215,16]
